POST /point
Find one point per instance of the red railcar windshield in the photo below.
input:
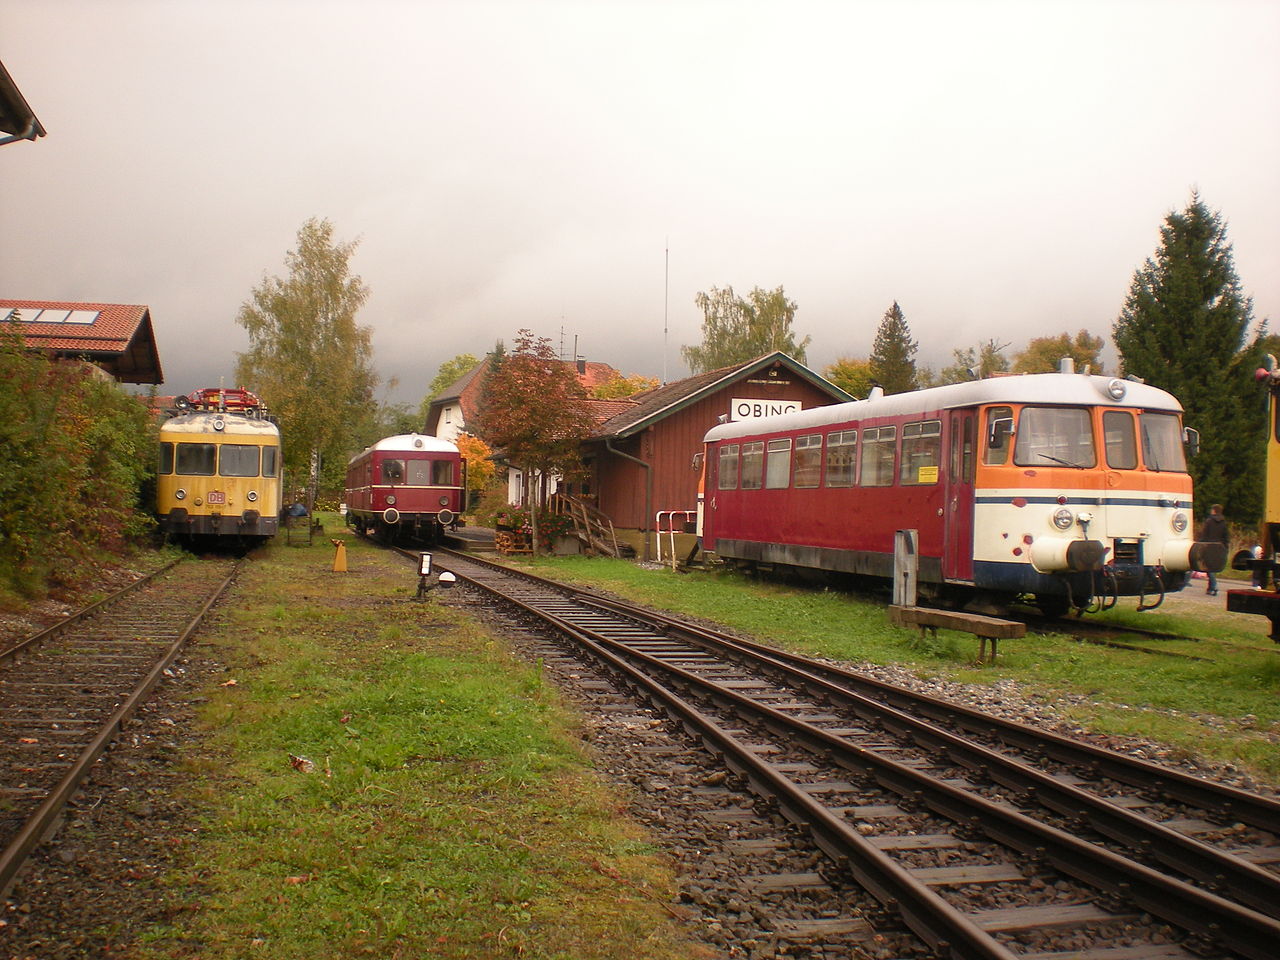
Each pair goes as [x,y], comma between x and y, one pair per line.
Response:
[1062,436]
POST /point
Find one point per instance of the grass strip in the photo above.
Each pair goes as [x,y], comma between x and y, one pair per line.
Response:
[380,778]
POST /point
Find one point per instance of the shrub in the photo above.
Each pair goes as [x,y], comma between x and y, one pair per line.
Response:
[75,455]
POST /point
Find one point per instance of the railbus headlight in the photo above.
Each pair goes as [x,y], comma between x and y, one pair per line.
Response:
[1063,518]
[252,496]
[180,495]
[391,499]
[444,501]
[1179,522]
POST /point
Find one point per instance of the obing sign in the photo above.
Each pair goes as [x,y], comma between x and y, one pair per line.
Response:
[754,408]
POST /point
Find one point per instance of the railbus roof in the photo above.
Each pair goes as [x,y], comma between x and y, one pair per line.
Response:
[1061,389]
[409,443]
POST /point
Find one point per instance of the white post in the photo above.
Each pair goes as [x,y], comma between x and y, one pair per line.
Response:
[906,564]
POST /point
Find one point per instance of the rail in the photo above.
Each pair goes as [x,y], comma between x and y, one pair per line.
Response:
[41,823]
[636,650]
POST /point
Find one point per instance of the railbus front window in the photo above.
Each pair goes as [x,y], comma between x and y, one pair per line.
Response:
[419,473]
[197,459]
[842,449]
[752,465]
[270,461]
[166,457]
[1162,443]
[921,452]
[1055,436]
[238,460]
[778,465]
[442,473]
[392,471]
[728,473]
[808,460]
[999,428]
[1121,445]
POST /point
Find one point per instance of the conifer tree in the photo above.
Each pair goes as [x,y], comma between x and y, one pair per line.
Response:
[1185,328]
[893,363]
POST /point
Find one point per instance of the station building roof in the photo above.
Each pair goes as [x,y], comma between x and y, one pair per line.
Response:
[117,337]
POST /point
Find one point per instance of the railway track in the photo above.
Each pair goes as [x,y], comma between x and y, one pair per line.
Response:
[65,693]
[987,838]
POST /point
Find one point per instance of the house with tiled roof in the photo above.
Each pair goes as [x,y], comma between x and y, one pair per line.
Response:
[641,460]
[454,406]
[116,337]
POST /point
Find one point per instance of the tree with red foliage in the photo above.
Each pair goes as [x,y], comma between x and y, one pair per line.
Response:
[533,410]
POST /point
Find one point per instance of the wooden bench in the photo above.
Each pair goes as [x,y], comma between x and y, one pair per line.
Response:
[984,628]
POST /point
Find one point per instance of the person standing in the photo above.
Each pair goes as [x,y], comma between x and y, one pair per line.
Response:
[1214,530]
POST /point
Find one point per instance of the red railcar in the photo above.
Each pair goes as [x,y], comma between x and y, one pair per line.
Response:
[1070,488]
[407,487]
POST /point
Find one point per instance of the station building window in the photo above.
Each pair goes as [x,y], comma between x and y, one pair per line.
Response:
[921,452]
[752,465]
[808,460]
[778,465]
[878,448]
[842,449]
[728,478]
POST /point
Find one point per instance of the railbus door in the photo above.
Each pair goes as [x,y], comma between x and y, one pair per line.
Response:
[957,561]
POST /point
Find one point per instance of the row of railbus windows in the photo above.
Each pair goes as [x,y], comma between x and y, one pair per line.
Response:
[418,473]
[218,460]
[786,461]
[1045,436]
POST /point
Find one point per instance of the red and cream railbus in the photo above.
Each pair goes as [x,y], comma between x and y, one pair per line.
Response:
[410,486]
[1066,487]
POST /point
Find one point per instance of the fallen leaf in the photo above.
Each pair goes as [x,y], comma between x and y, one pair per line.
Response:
[301,763]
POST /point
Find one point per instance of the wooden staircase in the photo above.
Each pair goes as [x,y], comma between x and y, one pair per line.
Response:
[592,528]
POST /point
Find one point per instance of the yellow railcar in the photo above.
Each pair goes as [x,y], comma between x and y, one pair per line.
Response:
[1264,561]
[220,469]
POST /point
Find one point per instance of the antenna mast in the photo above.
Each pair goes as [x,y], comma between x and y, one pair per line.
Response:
[666,286]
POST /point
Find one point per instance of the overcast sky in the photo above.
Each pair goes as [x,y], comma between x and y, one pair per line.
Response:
[998,168]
